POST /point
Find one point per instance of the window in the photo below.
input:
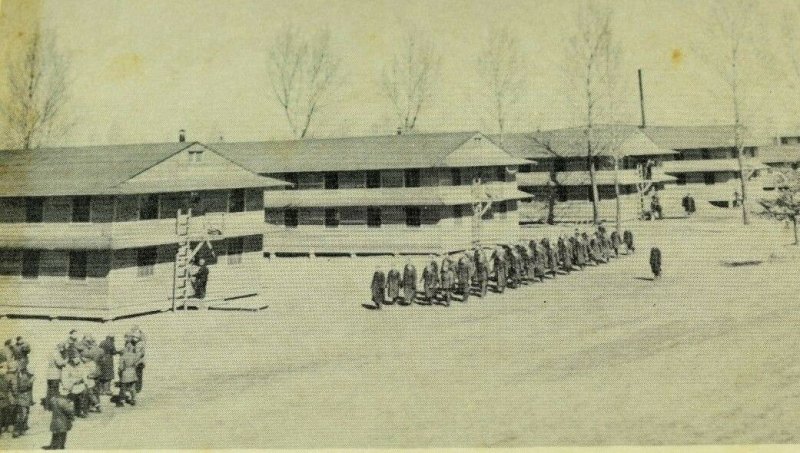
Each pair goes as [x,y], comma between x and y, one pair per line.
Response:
[331,218]
[374,217]
[455,176]
[292,179]
[80,209]
[501,174]
[561,193]
[708,178]
[235,250]
[146,261]
[680,179]
[30,263]
[290,218]
[502,209]
[34,209]
[413,216]
[705,153]
[236,200]
[373,179]
[196,203]
[77,265]
[457,211]
[148,207]
[195,156]
[560,164]
[332,180]
[412,178]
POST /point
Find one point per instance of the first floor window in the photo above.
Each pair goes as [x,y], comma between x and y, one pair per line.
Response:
[77,265]
[680,179]
[373,217]
[30,263]
[708,178]
[331,218]
[412,178]
[373,179]
[331,180]
[146,261]
[502,208]
[290,218]
[413,217]
[235,250]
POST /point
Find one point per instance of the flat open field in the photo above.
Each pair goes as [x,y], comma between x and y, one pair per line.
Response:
[708,354]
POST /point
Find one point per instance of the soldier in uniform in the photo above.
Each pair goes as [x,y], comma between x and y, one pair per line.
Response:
[22,391]
[409,283]
[393,285]
[500,269]
[63,413]
[627,237]
[127,376]
[481,271]
[57,361]
[430,280]
[464,276]
[448,280]
[378,287]
[615,243]
[565,254]
[532,261]
[6,394]
[655,262]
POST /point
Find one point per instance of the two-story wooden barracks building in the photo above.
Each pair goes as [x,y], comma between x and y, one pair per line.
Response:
[418,193]
[92,232]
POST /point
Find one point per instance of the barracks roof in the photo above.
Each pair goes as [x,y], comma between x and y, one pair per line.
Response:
[449,149]
[629,140]
[106,170]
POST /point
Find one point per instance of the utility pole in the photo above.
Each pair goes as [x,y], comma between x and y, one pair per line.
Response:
[641,100]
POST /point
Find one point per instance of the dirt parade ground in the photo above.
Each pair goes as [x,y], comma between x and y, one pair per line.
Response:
[710,353]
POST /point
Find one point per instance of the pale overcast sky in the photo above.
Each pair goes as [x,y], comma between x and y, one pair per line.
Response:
[144,69]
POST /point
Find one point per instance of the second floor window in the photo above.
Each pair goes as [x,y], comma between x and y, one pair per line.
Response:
[373,217]
[373,179]
[77,265]
[331,218]
[501,174]
[34,209]
[236,201]
[413,217]
[412,178]
[332,180]
[455,176]
[290,218]
[80,209]
[148,207]
[30,263]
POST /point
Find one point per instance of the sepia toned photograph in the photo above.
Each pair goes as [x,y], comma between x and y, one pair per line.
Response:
[354,224]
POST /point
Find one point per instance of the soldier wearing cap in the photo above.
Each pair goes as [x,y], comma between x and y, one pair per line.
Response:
[378,287]
[61,423]
[393,285]
[464,276]
[22,391]
[500,269]
[448,280]
[409,283]
[56,363]
[481,271]
[430,280]
[7,370]
[127,376]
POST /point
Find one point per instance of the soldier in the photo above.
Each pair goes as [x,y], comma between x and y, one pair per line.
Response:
[627,237]
[482,271]
[522,252]
[615,243]
[464,276]
[91,358]
[106,364]
[200,279]
[378,287]
[127,375]
[63,413]
[655,262]
[22,390]
[539,260]
[393,285]
[565,255]
[430,280]
[500,269]
[448,280]
[58,360]
[532,261]
[6,394]
[409,283]
[22,350]
[72,379]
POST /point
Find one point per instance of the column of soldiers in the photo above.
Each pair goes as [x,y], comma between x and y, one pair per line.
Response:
[509,266]
[79,371]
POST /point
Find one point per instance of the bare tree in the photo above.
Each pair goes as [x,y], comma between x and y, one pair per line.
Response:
[730,33]
[590,50]
[303,72]
[502,68]
[408,80]
[786,207]
[32,110]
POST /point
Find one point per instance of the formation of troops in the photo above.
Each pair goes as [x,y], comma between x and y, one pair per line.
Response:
[506,266]
[79,372]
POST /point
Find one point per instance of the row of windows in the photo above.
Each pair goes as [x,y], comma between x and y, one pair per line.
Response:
[372,179]
[374,218]
[148,206]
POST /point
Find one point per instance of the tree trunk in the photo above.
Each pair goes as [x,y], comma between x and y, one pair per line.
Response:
[794,224]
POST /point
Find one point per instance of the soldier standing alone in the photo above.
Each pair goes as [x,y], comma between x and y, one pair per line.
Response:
[409,283]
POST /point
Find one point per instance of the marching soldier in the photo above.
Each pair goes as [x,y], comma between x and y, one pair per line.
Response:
[532,261]
[409,283]
[482,271]
[627,237]
[615,243]
[393,285]
[565,255]
[464,276]
[500,269]
[6,395]
[378,287]
[655,262]
[22,390]
[430,280]
[448,280]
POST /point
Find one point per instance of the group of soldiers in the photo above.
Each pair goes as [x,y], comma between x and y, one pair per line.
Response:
[16,387]
[506,266]
[79,372]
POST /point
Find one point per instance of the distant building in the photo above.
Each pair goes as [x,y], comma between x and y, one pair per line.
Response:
[416,193]
[696,159]
[93,232]
[783,153]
